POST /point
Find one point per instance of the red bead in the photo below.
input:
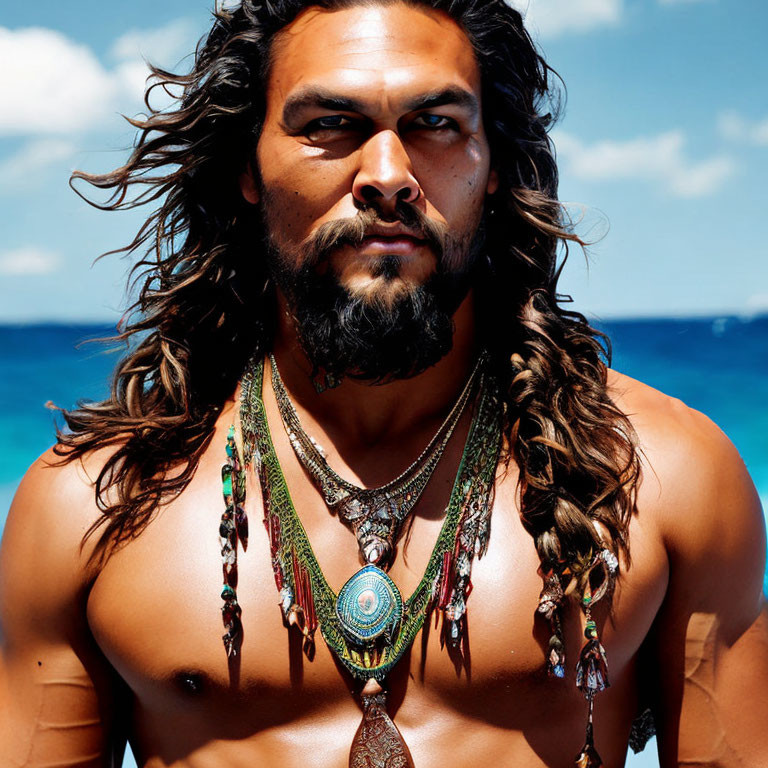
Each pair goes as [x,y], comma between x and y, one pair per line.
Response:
[446,581]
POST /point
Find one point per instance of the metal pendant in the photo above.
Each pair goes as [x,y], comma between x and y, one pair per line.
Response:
[369,606]
[589,757]
[378,743]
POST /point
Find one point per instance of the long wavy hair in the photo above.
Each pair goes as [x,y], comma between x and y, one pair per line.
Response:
[205,304]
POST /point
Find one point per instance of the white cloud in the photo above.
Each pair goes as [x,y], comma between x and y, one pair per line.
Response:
[659,158]
[700,179]
[164,45]
[28,260]
[734,127]
[53,85]
[754,306]
[24,169]
[551,18]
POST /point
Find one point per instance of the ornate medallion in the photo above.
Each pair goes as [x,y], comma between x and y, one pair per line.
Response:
[369,606]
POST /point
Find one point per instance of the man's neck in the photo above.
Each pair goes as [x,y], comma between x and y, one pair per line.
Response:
[373,413]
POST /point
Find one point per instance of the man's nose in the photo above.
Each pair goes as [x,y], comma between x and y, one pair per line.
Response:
[385,175]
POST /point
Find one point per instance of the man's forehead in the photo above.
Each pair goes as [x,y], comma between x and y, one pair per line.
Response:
[373,52]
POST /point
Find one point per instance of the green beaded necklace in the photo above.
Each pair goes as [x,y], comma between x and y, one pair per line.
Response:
[368,625]
[471,489]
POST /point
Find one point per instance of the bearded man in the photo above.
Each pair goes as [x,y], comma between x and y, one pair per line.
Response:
[349,329]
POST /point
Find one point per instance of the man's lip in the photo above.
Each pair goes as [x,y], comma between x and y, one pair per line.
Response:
[391,231]
[387,238]
[396,245]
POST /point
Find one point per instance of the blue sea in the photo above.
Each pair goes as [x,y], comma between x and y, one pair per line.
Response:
[717,365]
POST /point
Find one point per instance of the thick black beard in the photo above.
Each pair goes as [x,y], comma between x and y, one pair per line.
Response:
[344,335]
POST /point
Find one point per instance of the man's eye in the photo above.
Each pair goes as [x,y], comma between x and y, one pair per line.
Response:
[435,121]
[329,123]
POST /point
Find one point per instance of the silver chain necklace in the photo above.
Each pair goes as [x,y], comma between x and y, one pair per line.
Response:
[375,515]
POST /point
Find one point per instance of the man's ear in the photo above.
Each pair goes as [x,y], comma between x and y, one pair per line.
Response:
[493,182]
[248,186]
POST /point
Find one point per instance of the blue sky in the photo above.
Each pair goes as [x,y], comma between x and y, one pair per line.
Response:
[663,148]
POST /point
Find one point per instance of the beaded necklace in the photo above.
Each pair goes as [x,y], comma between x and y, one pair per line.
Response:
[375,515]
[368,625]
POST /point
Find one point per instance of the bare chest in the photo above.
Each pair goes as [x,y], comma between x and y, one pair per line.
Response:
[156,613]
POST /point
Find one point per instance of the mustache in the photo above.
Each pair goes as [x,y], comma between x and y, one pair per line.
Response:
[352,231]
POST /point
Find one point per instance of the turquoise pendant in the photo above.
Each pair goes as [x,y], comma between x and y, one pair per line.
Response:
[369,605]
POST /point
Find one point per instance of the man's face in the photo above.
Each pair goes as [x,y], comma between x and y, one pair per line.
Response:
[373,118]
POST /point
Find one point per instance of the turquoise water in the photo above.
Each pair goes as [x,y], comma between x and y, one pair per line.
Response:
[716,365]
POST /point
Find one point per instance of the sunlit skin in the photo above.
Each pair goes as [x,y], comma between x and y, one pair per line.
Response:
[363,105]
[411,128]
[90,654]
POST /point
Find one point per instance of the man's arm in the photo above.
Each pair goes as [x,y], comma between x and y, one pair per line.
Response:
[57,692]
[709,646]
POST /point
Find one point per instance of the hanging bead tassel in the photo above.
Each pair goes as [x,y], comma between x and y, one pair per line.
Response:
[302,612]
[591,679]
[471,541]
[589,757]
[230,613]
[550,603]
[233,520]
[592,669]
[556,655]
[241,526]
[551,597]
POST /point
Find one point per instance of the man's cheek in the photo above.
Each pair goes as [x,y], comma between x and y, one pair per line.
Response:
[288,219]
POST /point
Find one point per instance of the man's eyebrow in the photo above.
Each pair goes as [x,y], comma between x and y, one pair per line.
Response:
[316,96]
[439,98]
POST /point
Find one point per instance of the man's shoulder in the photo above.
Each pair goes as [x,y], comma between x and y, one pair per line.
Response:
[51,671]
[52,511]
[656,414]
[673,436]
[68,482]
[695,487]
[682,449]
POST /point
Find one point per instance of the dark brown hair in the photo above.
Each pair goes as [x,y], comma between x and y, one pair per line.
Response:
[204,304]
